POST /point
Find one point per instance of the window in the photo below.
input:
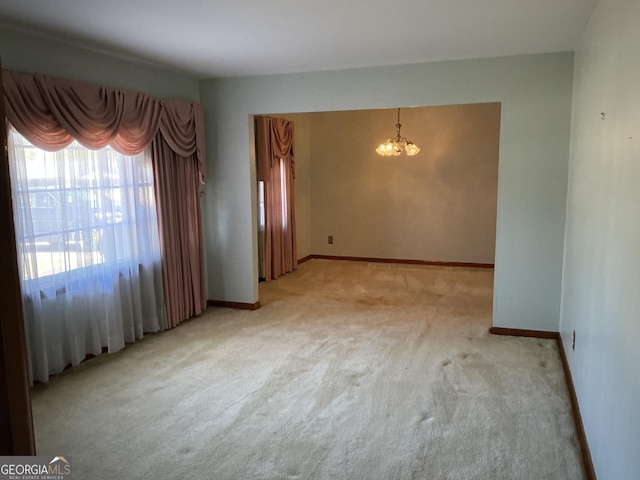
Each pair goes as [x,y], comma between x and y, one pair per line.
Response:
[92,273]
[78,208]
[284,193]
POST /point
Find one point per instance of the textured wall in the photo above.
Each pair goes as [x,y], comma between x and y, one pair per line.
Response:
[601,287]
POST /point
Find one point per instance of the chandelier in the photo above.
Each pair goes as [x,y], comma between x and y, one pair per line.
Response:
[394,146]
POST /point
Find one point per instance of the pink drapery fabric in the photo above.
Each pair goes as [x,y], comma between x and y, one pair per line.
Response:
[178,203]
[276,168]
[52,112]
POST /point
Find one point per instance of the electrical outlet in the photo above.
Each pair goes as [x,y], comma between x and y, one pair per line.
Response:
[573,343]
[330,239]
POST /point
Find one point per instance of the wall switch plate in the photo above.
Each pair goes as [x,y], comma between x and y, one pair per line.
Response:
[330,240]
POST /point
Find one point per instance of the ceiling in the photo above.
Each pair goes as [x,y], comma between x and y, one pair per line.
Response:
[213,38]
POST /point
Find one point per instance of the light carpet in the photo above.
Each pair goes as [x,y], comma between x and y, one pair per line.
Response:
[348,371]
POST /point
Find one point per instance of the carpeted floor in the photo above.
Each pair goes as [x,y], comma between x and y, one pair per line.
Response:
[348,371]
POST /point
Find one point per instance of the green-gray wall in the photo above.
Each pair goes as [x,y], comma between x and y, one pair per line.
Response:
[601,286]
[535,92]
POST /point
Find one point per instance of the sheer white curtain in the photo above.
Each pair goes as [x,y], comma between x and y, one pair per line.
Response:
[89,252]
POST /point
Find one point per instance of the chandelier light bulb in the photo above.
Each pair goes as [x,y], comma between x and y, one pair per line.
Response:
[395,146]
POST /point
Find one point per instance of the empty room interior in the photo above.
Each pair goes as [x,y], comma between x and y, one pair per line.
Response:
[296,241]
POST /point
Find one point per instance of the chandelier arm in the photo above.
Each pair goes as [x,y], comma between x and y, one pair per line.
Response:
[394,146]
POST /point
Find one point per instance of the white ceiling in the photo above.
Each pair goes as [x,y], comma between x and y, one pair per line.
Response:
[213,38]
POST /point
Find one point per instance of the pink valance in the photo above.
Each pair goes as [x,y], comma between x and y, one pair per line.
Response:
[52,112]
[276,141]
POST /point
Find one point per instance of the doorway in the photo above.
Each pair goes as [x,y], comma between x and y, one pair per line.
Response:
[439,206]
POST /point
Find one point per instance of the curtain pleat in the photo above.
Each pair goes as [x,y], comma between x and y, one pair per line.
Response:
[51,112]
[276,168]
[178,204]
